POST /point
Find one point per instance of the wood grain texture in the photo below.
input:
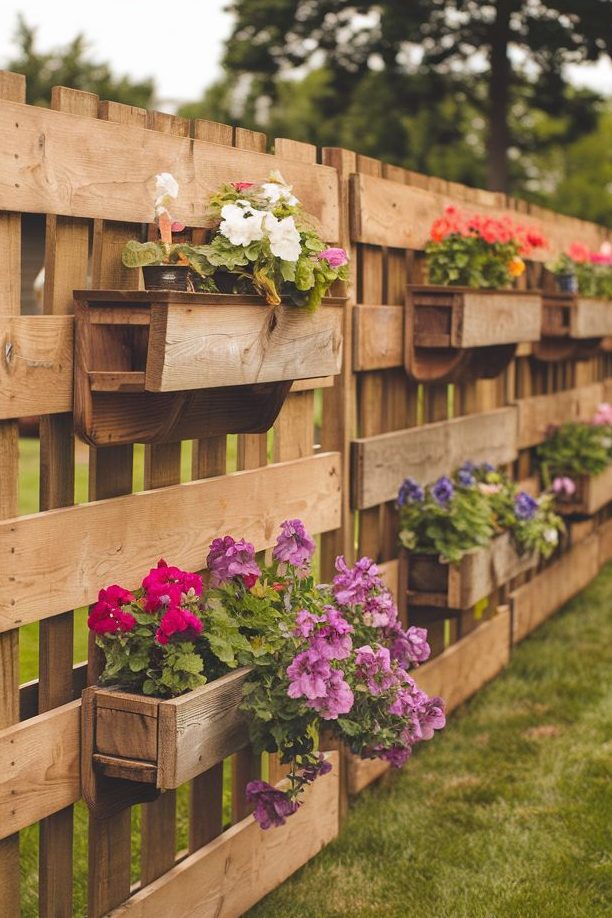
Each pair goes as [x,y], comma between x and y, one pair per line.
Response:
[592,493]
[535,601]
[35,365]
[61,558]
[218,880]
[591,318]
[197,347]
[378,337]
[380,463]
[537,413]
[499,317]
[66,164]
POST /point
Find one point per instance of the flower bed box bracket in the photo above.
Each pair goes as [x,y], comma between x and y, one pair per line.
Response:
[572,326]
[592,493]
[161,366]
[135,746]
[458,333]
[457,587]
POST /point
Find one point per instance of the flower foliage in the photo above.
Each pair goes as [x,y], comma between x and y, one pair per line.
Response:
[460,514]
[323,657]
[476,250]
[575,449]
[592,270]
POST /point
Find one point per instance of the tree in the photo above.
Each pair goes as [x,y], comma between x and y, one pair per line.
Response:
[490,48]
[71,66]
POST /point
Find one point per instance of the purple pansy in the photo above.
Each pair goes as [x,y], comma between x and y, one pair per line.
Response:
[442,491]
[525,506]
[410,492]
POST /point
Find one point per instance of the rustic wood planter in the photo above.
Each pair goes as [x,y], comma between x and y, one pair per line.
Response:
[572,326]
[456,587]
[160,366]
[592,493]
[135,746]
[456,333]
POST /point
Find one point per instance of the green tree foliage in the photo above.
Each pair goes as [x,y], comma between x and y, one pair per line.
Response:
[404,78]
[71,66]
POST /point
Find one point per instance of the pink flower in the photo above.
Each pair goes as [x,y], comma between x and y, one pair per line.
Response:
[308,674]
[165,586]
[579,252]
[107,616]
[177,227]
[603,415]
[432,717]
[409,647]
[178,622]
[242,186]
[305,623]
[338,699]
[564,485]
[294,545]
[374,668]
[352,585]
[228,559]
[335,258]
[333,641]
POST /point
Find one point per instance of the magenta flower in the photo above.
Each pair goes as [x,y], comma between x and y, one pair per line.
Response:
[272,806]
[335,257]
[180,623]
[380,610]
[314,770]
[228,559]
[409,647]
[294,545]
[374,668]
[338,700]
[352,585]
[395,755]
[564,485]
[432,717]
[603,415]
[333,641]
[107,616]
[242,186]
[165,586]
[308,674]
[409,700]
[305,623]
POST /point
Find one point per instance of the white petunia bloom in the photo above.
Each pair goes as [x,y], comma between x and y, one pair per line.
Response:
[276,192]
[551,536]
[242,223]
[284,237]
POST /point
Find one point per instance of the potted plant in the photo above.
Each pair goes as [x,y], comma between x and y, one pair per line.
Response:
[468,320]
[576,463]
[263,654]
[469,534]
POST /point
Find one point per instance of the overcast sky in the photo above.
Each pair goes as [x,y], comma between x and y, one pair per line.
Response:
[180,43]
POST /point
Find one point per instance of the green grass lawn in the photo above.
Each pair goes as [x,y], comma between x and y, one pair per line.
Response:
[508,814]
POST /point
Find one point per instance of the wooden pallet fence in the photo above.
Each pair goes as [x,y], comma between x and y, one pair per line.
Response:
[538,413]
[592,493]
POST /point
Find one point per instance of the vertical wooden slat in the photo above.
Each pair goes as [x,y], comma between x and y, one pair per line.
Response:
[12,89]
[66,267]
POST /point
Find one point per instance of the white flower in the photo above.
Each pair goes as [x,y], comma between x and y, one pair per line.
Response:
[551,536]
[284,237]
[605,248]
[242,223]
[277,190]
[166,189]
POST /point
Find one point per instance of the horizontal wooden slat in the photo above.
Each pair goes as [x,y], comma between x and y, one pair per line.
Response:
[378,337]
[35,365]
[386,213]
[229,875]
[380,464]
[467,665]
[39,767]
[534,602]
[58,560]
[499,317]
[591,318]
[59,163]
[537,413]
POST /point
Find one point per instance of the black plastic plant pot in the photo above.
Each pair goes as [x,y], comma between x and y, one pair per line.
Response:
[168,277]
[567,283]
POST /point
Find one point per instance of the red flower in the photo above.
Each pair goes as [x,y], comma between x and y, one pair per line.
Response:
[178,621]
[107,616]
[242,186]
[164,586]
[249,580]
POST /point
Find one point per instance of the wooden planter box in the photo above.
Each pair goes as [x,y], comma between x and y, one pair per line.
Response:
[146,745]
[457,587]
[160,366]
[592,493]
[572,326]
[458,333]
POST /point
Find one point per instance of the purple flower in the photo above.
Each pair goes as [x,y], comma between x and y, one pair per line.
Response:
[380,610]
[338,700]
[352,585]
[294,545]
[334,257]
[465,475]
[442,491]
[305,623]
[228,558]
[333,641]
[395,755]
[525,506]
[486,467]
[431,717]
[272,806]
[409,647]
[314,770]
[308,674]
[410,493]
[409,700]
[374,668]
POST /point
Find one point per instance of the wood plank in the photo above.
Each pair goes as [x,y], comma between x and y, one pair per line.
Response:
[60,559]
[500,317]
[386,213]
[363,772]
[197,347]
[39,767]
[217,881]
[462,669]
[591,318]
[605,542]
[35,365]
[537,413]
[380,463]
[101,169]
[535,601]
[378,337]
